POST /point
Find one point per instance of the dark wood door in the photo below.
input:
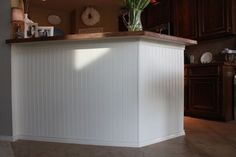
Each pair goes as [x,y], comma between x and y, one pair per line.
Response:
[185,18]
[213,18]
[186,89]
[157,14]
[204,97]
[186,106]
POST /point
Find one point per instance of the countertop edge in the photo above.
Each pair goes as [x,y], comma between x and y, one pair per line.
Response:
[98,36]
[210,64]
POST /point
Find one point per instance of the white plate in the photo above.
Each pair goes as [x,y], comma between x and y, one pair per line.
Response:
[54,19]
[206,57]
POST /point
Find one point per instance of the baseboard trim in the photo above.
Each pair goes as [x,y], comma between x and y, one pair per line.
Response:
[161,139]
[7,138]
[98,142]
[79,141]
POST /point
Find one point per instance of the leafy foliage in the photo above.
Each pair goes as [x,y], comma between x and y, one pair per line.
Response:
[136,4]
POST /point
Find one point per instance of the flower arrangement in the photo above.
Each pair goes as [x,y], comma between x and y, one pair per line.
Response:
[154,2]
[135,8]
[136,4]
[139,4]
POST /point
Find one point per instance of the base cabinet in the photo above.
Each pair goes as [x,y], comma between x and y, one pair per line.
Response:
[209,91]
[204,96]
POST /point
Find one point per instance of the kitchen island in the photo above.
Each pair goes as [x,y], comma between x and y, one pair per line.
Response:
[115,89]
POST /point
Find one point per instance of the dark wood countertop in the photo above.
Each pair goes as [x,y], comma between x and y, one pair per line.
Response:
[210,64]
[97,36]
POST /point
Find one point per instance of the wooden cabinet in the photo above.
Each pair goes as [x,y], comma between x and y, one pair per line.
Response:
[155,15]
[209,91]
[185,12]
[204,96]
[204,19]
[194,19]
[214,18]
[186,89]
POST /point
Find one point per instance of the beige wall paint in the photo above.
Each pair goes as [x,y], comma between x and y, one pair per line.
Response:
[17,3]
[108,21]
[40,16]
[108,18]
[69,5]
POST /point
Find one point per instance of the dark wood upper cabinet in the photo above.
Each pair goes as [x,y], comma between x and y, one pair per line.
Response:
[194,19]
[157,14]
[214,18]
[204,19]
[185,17]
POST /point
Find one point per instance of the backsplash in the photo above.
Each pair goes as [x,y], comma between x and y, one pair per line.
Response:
[214,46]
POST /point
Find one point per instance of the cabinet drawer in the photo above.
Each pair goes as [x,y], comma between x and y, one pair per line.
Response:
[204,71]
[185,72]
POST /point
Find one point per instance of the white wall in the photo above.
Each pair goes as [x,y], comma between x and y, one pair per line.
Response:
[5,71]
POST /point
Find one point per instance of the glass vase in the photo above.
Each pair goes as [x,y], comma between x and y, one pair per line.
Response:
[134,22]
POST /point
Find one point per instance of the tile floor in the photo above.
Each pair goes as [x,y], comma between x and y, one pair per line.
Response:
[203,139]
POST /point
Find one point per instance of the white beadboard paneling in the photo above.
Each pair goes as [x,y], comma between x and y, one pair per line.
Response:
[161,75]
[59,93]
[121,92]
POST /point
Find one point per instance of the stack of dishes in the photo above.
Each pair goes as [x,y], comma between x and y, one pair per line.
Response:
[229,55]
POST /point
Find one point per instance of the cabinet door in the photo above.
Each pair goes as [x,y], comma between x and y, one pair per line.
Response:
[213,18]
[186,94]
[204,97]
[186,89]
[157,14]
[185,18]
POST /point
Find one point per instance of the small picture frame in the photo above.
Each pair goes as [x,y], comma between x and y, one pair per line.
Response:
[45,31]
[31,30]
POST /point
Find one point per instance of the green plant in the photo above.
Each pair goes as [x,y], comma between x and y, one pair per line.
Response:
[134,9]
[26,6]
[136,4]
